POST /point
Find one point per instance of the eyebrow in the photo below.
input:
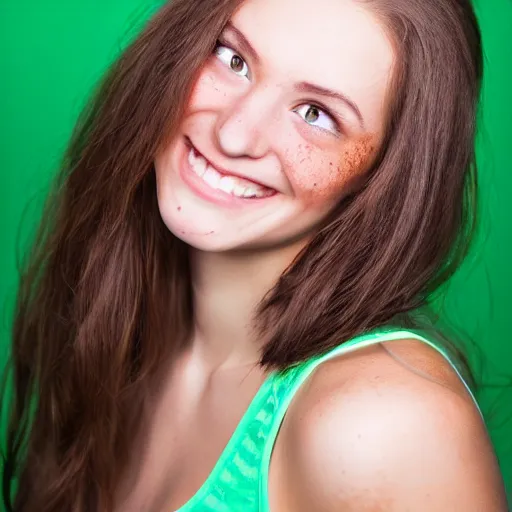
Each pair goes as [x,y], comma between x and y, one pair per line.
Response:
[305,87]
[242,41]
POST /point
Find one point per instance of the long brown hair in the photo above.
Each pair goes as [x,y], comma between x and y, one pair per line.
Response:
[105,295]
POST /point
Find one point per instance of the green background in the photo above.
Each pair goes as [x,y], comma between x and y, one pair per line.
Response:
[53,52]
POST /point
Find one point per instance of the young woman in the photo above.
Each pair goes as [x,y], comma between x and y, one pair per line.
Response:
[219,312]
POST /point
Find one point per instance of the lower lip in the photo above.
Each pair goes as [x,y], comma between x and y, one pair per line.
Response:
[205,191]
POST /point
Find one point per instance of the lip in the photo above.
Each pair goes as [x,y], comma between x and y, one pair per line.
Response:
[226,172]
[205,191]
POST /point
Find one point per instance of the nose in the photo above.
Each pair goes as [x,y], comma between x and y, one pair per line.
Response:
[243,129]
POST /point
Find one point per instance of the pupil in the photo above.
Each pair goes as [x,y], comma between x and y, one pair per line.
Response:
[237,64]
[312,115]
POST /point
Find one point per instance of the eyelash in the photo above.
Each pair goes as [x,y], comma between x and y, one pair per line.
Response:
[315,104]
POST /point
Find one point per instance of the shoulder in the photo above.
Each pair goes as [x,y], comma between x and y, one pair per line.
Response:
[389,428]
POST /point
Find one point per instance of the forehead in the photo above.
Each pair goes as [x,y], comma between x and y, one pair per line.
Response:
[337,44]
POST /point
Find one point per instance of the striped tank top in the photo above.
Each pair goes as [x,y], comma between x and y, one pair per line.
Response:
[239,480]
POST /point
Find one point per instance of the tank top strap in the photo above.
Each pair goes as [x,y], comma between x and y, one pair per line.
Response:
[285,385]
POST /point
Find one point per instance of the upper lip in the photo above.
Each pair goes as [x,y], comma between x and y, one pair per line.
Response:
[225,171]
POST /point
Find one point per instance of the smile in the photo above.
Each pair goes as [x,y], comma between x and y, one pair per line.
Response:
[232,185]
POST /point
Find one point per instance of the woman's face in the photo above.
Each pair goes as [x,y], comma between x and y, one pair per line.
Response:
[285,115]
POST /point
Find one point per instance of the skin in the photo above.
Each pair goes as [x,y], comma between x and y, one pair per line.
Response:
[253,123]
[389,428]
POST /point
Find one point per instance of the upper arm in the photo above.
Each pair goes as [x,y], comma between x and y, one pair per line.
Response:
[388,441]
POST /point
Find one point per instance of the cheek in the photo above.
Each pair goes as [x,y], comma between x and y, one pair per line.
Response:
[211,90]
[320,175]
[206,91]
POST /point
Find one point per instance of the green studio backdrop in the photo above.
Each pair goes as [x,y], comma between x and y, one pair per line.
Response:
[53,52]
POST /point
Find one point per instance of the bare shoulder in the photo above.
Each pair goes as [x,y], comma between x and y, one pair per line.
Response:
[389,427]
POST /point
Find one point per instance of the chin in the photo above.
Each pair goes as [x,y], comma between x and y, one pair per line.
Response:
[210,238]
[204,244]
[204,236]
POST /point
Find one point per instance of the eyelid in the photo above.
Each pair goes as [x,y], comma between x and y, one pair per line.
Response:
[222,41]
[231,45]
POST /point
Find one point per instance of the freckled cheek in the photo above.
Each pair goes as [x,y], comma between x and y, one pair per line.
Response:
[319,175]
[210,91]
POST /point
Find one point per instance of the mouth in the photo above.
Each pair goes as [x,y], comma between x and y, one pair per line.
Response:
[230,184]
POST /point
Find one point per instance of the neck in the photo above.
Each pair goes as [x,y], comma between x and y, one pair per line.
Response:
[228,287]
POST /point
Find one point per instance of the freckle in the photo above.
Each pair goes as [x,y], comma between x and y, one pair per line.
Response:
[356,155]
[354,158]
[179,208]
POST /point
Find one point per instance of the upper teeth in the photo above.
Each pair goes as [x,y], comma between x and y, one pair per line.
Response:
[230,184]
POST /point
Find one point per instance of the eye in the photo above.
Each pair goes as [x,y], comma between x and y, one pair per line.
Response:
[231,59]
[317,118]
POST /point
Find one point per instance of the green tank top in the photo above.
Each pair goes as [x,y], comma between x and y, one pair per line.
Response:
[239,480]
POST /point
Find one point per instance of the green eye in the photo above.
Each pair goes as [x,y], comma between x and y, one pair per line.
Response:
[312,115]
